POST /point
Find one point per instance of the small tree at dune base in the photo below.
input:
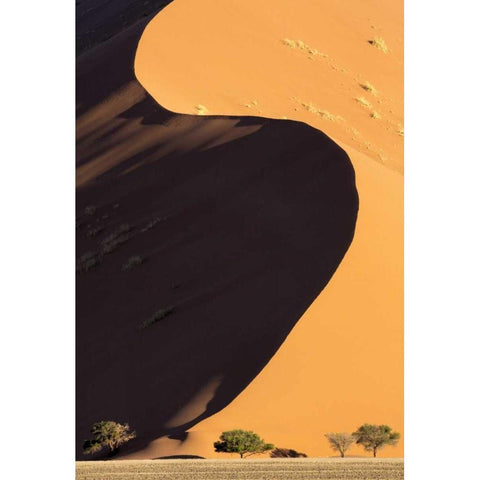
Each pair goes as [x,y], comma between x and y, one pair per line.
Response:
[107,434]
[375,437]
[340,442]
[243,442]
[286,453]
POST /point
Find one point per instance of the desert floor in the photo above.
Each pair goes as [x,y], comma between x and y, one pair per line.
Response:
[251,469]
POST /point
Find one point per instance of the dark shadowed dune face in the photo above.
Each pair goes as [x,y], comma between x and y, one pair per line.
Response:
[201,241]
[97,21]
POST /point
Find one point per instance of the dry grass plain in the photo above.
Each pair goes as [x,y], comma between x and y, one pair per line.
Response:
[251,469]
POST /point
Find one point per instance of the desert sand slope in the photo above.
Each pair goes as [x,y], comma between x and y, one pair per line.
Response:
[308,60]
[342,365]
[239,222]
[96,21]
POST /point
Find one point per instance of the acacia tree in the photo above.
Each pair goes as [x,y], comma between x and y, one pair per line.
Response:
[340,441]
[375,437]
[107,434]
[243,442]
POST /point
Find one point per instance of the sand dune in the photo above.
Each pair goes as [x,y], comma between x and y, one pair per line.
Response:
[141,165]
[343,363]
[239,223]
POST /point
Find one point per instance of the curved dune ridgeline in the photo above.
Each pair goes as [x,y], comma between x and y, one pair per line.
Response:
[201,241]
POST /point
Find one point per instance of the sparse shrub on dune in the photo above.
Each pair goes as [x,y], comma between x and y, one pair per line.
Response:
[132,262]
[90,209]
[88,261]
[108,244]
[115,243]
[201,109]
[157,316]
[379,43]
[107,434]
[290,43]
[117,238]
[322,113]
[401,132]
[286,453]
[364,102]
[368,87]
[150,225]
[328,116]
[310,107]
[94,231]
[300,45]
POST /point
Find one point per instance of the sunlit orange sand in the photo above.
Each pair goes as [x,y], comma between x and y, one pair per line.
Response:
[305,60]
[342,365]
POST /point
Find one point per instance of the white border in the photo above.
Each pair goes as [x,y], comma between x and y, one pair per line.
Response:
[37,219]
[442,239]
